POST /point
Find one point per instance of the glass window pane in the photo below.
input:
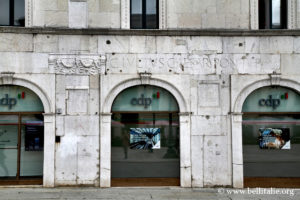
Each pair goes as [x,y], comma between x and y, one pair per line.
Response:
[276,14]
[19,12]
[151,7]
[136,20]
[8,162]
[145,145]
[136,7]
[8,145]
[4,12]
[32,145]
[8,131]
[151,15]
[278,157]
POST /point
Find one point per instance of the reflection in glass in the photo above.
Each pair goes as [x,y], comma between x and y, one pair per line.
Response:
[19,13]
[32,144]
[271,162]
[8,145]
[145,162]
[151,15]
[143,14]
[4,12]
[276,15]
[136,20]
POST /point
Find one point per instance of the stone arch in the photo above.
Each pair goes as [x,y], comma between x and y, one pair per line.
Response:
[236,121]
[32,86]
[134,82]
[238,104]
[49,124]
[105,129]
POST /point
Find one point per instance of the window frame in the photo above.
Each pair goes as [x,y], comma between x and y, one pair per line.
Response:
[144,15]
[290,15]
[12,14]
[125,14]
[265,15]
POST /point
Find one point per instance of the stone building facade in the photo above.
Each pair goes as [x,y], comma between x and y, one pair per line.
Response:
[78,56]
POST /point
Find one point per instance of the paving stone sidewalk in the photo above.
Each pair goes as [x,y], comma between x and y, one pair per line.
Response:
[146,193]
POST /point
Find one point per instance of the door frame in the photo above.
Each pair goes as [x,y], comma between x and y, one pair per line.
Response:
[18,179]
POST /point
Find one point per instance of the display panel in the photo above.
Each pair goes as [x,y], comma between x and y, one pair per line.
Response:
[144,138]
[274,138]
[32,145]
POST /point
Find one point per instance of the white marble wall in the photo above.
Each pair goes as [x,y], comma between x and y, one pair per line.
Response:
[78,74]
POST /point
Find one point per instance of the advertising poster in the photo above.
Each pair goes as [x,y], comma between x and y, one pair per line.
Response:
[145,138]
[34,138]
[274,138]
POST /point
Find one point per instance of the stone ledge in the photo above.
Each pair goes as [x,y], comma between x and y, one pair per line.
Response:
[168,32]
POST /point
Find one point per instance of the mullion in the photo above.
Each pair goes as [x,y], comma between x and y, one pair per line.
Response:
[270,14]
[11,12]
[19,148]
[144,25]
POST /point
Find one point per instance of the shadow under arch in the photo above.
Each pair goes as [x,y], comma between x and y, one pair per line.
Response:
[236,122]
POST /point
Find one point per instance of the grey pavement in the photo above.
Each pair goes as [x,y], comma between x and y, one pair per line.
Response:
[76,193]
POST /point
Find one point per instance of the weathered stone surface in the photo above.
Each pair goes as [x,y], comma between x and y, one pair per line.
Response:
[56,18]
[88,160]
[208,95]
[16,42]
[113,44]
[24,62]
[290,64]
[209,125]
[46,43]
[77,101]
[78,14]
[276,45]
[197,160]
[216,165]
[83,125]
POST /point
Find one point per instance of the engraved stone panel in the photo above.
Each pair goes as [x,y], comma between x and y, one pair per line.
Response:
[77,101]
[208,95]
[77,64]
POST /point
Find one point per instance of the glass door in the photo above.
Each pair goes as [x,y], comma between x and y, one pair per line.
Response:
[9,125]
[21,148]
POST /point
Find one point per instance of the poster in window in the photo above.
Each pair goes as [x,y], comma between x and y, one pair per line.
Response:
[274,138]
[145,138]
[34,138]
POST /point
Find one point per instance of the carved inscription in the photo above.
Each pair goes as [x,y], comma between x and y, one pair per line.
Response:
[193,64]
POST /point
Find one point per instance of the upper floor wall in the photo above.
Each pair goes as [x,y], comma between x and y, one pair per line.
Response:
[171,14]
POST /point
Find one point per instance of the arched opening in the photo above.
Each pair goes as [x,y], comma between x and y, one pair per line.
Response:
[270,134]
[145,138]
[21,136]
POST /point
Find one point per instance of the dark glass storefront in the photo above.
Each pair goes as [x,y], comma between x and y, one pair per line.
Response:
[145,137]
[271,136]
[21,136]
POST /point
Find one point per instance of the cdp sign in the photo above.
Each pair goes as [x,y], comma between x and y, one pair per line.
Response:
[6,101]
[144,101]
[272,102]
